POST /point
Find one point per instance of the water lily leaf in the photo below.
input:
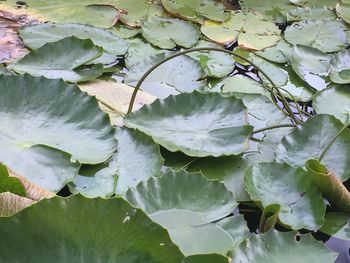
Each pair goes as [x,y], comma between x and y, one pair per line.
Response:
[61,59]
[271,247]
[168,33]
[114,98]
[124,31]
[308,141]
[329,185]
[99,13]
[181,74]
[327,36]
[334,100]
[212,126]
[215,64]
[251,30]
[134,11]
[337,225]
[314,3]
[229,170]
[125,234]
[276,53]
[311,65]
[138,159]
[196,10]
[196,200]
[19,194]
[206,259]
[343,10]
[301,204]
[269,217]
[35,36]
[311,13]
[42,118]
[340,67]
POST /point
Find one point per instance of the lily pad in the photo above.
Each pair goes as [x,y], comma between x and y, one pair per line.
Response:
[212,126]
[181,199]
[10,184]
[196,10]
[124,31]
[35,36]
[340,67]
[301,204]
[326,36]
[62,59]
[99,13]
[343,10]
[334,100]
[311,13]
[206,259]
[277,246]
[309,140]
[337,225]
[242,84]
[41,119]
[276,53]
[251,30]
[124,233]
[168,33]
[311,65]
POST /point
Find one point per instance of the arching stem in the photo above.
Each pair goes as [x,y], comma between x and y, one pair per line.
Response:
[274,127]
[149,71]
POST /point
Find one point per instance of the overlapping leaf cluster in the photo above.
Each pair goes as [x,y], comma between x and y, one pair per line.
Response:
[222,131]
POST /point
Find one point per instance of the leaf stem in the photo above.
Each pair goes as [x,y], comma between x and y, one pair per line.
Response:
[274,127]
[149,71]
[325,150]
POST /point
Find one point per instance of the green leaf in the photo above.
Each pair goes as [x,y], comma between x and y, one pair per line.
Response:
[48,124]
[343,10]
[301,204]
[62,59]
[99,13]
[313,13]
[138,159]
[251,30]
[196,10]
[309,140]
[206,259]
[334,100]
[269,217]
[314,3]
[311,65]
[168,33]
[181,74]
[340,67]
[277,246]
[181,199]
[326,36]
[329,185]
[212,126]
[337,225]
[276,53]
[113,232]
[10,184]
[124,31]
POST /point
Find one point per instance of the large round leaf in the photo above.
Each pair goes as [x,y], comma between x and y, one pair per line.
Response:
[276,53]
[196,10]
[309,140]
[168,33]
[181,199]
[251,30]
[327,36]
[334,100]
[283,247]
[196,124]
[301,204]
[61,59]
[40,119]
[84,230]
[340,67]
[343,10]
[313,13]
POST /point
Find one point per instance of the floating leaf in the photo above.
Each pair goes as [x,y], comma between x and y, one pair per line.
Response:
[181,199]
[138,159]
[314,3]
[311,65]
[10,184]
[125,32]
[62,59]
[308,140]
[276,53]
[343,10]
[269,217]
[168,33]
[206,259]
[251,30]
[212,126]
[134,11]
[340,67]
[337,225]
[329,185]
[196,10]
[124,234]
[99,13]
[277,246]
[315,13]
[301,204]
[326,36]
[42,118]
[334,100]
